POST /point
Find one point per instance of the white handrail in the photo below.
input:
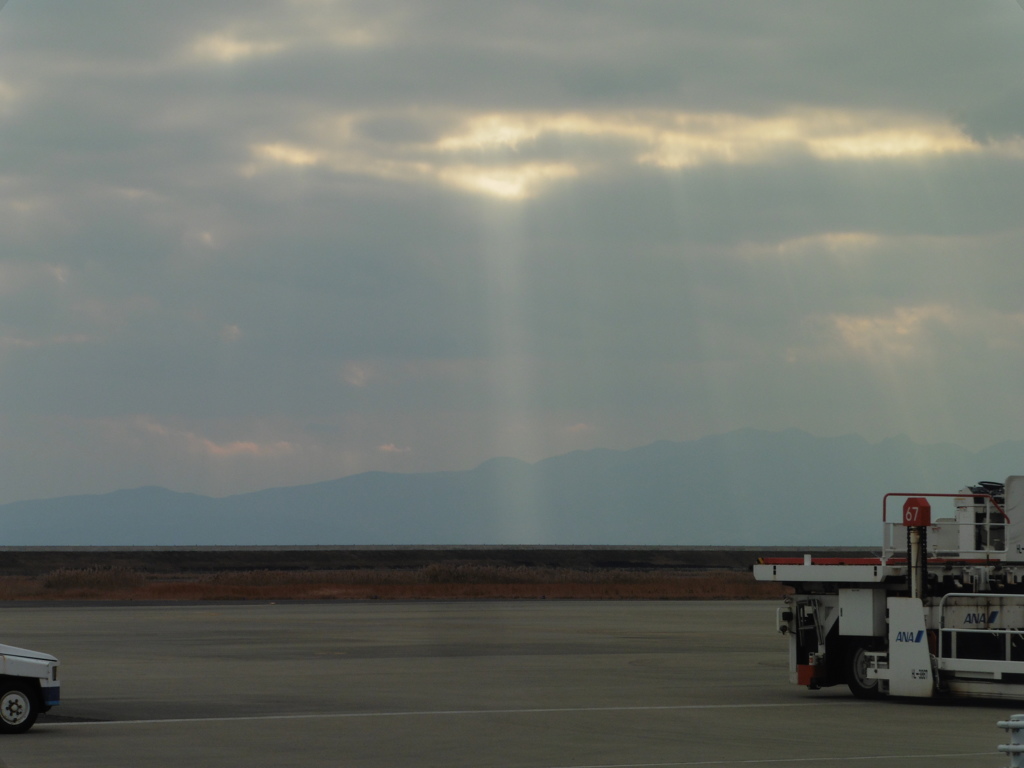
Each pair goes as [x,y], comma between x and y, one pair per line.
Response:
[953,631]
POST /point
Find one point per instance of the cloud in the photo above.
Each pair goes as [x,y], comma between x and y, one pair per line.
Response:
[294,234]
[8,97]
[358,374]
[898,332]
[194,443]
[510,155]
[227,48]
[508,182]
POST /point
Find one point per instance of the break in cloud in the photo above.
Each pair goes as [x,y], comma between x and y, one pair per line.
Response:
[246,244]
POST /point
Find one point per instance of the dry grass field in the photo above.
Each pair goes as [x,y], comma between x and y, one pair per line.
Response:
[441,581]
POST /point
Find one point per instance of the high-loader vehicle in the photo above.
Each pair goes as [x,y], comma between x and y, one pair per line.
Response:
[28,687]
[940,612]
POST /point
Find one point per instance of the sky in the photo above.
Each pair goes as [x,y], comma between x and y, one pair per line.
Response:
[253,243]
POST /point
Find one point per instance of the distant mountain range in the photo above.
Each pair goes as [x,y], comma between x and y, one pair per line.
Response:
[747,487]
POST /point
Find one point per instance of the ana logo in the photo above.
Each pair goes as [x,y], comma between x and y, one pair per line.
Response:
[910,637]
[981,618]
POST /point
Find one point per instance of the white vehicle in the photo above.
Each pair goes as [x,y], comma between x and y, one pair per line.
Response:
[939,613]
[28,687]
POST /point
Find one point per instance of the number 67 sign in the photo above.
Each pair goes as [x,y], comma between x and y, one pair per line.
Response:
[917,512]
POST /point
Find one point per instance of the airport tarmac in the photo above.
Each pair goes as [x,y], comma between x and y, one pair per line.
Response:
[518,684]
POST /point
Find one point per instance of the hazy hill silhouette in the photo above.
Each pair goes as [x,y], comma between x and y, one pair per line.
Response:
[747,487]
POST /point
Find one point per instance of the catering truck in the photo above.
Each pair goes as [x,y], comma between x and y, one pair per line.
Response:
[28,687]
[939,612]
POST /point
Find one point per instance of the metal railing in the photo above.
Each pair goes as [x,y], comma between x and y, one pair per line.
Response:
[987,535]
[1008,634]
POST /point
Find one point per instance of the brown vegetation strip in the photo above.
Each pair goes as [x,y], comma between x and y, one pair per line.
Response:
[444,581]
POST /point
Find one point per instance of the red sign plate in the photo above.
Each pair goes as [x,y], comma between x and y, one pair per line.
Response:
[917,512]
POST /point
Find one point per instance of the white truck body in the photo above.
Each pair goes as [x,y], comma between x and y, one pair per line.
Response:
[940,612]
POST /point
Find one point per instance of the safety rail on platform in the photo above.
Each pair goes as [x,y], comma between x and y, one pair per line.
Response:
[975,530]
[1005,612]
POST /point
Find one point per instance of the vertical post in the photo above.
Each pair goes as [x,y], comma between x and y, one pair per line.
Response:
[917,516]
[915,572]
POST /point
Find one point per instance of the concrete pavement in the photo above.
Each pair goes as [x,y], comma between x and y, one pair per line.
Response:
[513,684]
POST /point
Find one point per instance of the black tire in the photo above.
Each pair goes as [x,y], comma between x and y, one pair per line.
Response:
[19,706]
[861,686]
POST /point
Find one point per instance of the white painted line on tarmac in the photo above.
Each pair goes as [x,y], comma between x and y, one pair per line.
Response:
[439,713]
[776,760]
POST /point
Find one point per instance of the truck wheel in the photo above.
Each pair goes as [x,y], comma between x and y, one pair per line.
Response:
[18,707]
[862,686]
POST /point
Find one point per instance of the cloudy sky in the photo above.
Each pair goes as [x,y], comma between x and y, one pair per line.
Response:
[248,243]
